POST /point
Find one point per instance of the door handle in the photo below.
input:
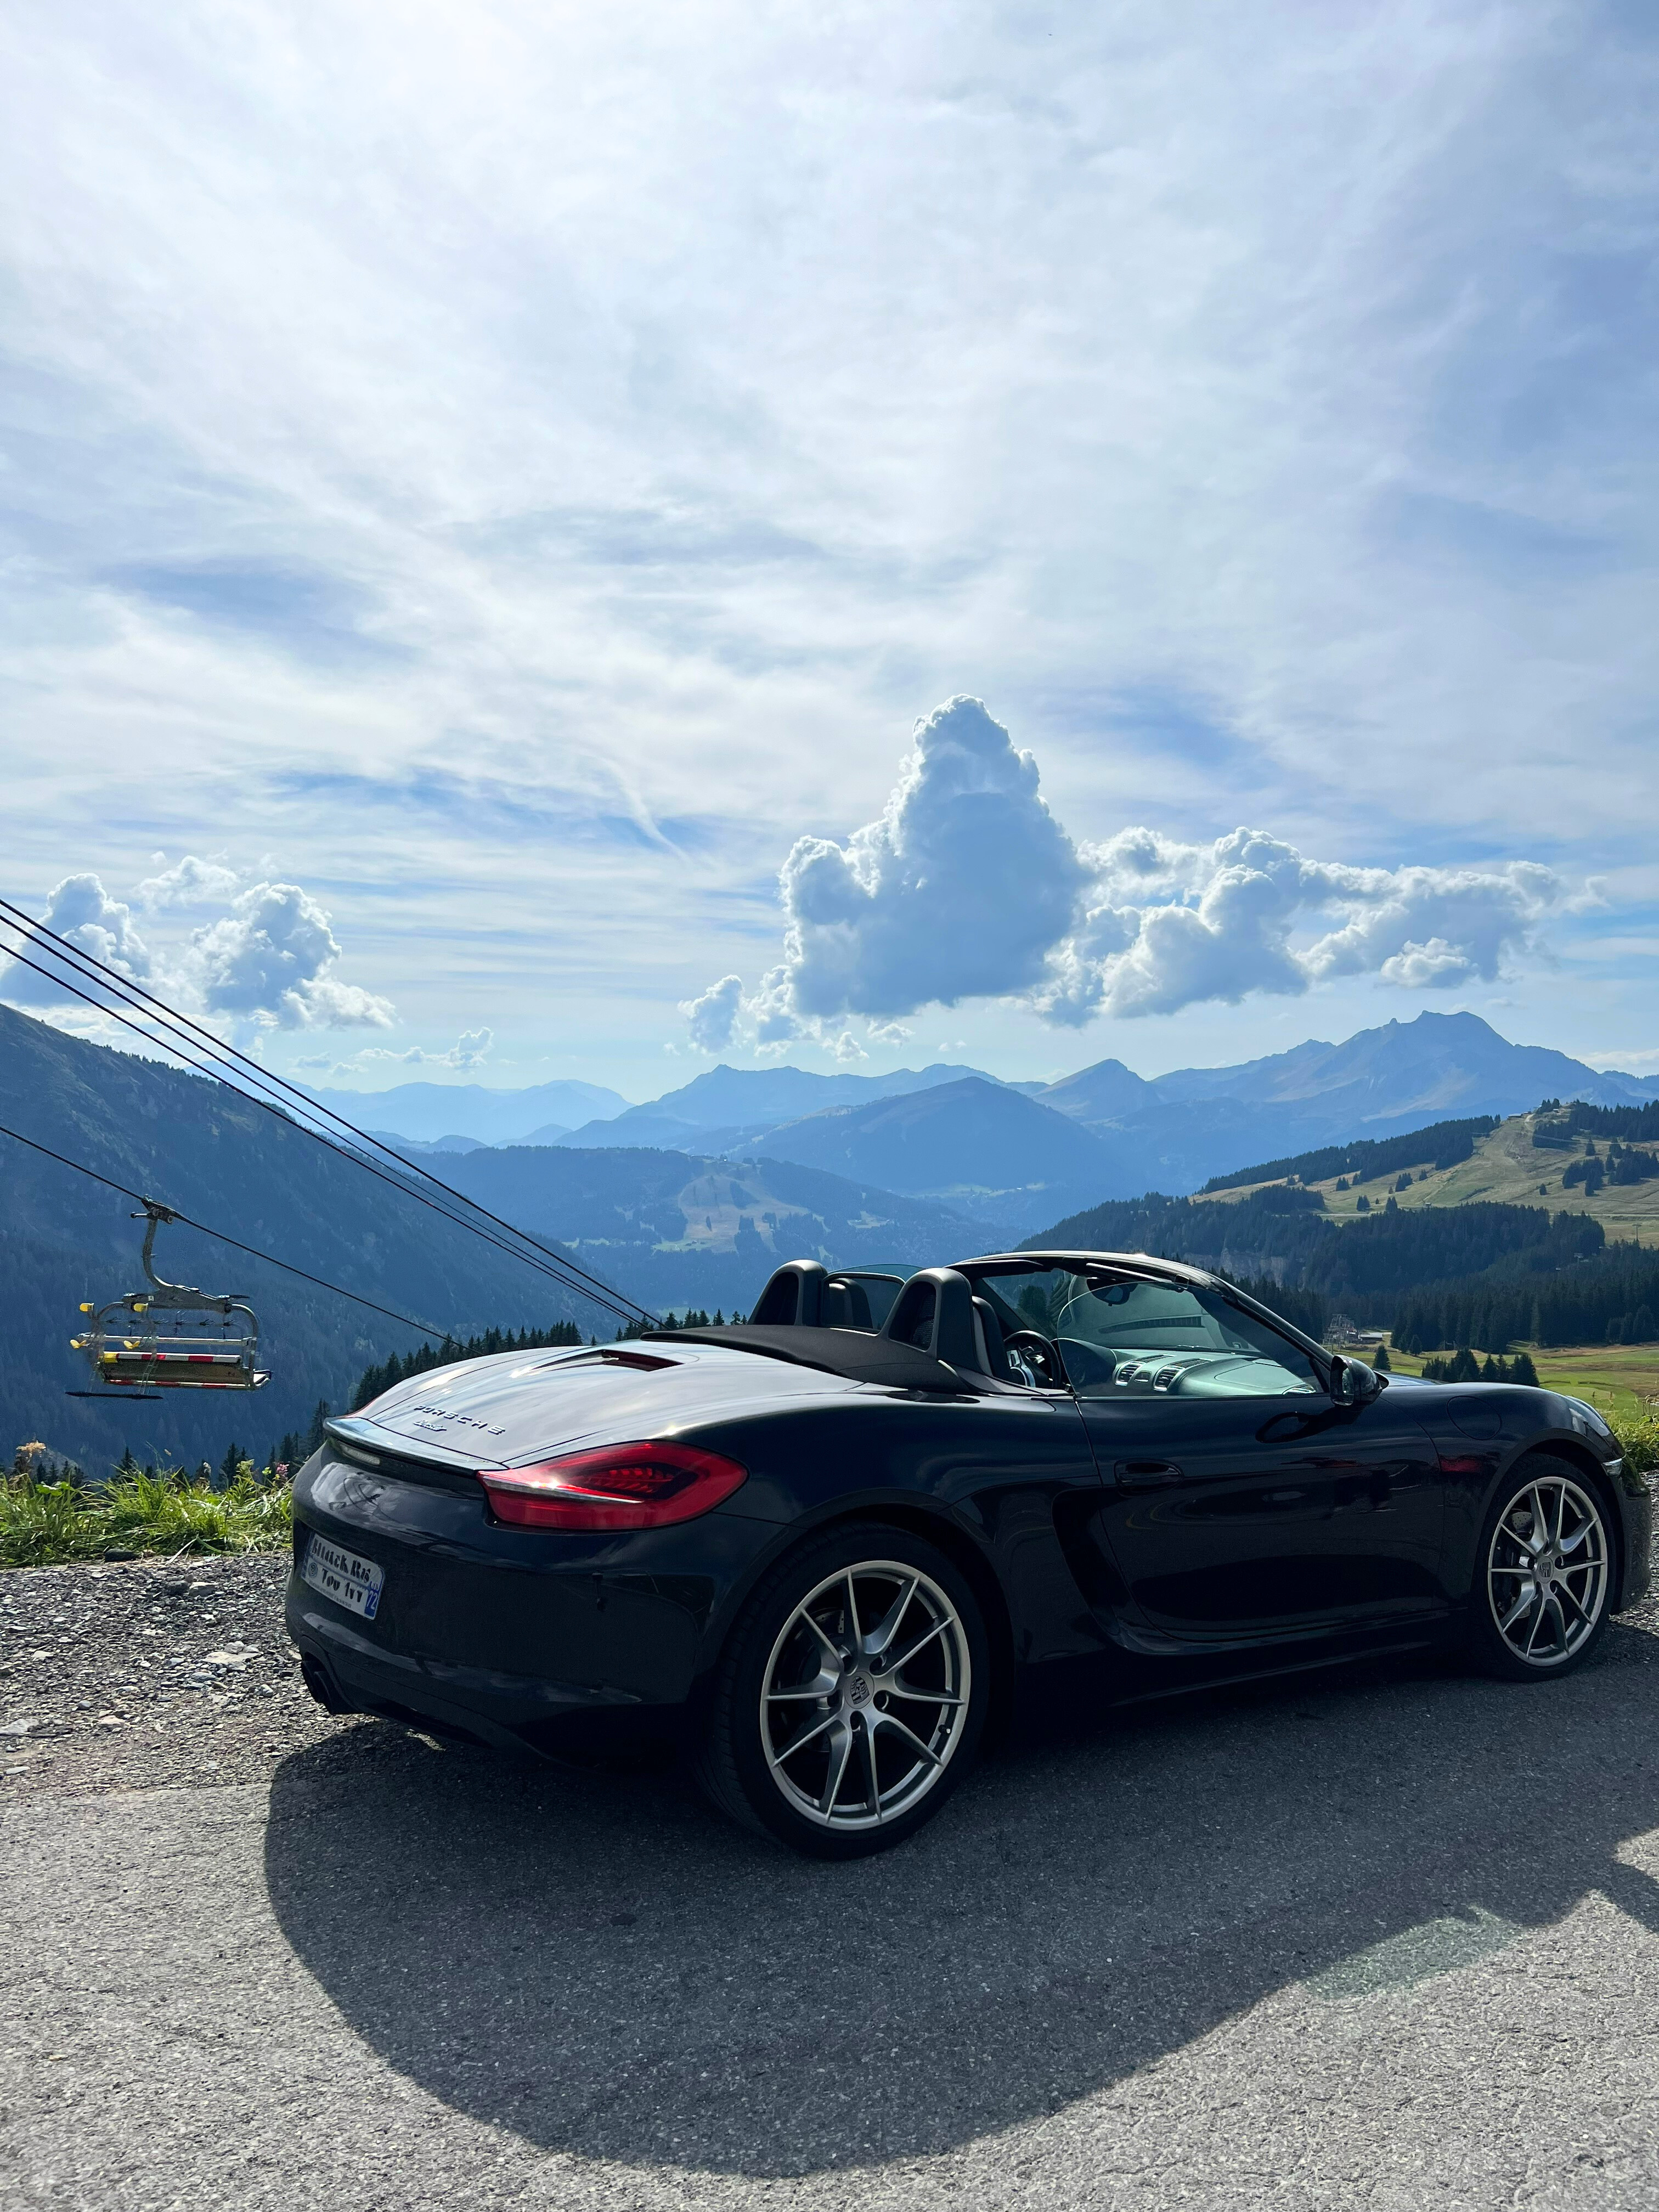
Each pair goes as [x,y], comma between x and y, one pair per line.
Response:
[1146,1474]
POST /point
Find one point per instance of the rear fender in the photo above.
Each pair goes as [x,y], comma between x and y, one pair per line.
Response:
[915,1515]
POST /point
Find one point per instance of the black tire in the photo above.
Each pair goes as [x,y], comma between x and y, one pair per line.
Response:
[921,1698]
[1558,1614]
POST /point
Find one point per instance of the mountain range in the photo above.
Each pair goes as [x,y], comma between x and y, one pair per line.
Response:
[434,1112]
[1016,1155]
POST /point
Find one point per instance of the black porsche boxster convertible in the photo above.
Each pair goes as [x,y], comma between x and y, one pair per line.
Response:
[826,1549]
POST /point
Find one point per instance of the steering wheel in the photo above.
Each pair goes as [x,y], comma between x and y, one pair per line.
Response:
[1037,1354]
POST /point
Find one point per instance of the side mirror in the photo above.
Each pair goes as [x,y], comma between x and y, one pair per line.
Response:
[1353,1383]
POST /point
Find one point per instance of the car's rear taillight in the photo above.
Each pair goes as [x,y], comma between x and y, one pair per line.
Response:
[623,1487]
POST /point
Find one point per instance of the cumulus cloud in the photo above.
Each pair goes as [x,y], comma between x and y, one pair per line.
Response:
[1245,915]
[470,1049]
[967,887]
[959,891]
[270,961]
[80,910]
[189,882]
[711,1017]
[267,963]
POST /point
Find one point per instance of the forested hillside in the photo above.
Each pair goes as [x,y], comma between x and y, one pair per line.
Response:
[1507,1273]
[194,1144]
[1443,1144]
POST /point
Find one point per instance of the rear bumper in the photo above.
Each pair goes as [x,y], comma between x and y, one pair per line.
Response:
[511,1712]
[528,1640]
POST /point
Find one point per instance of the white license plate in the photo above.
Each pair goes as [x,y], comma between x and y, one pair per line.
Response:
[353,1583]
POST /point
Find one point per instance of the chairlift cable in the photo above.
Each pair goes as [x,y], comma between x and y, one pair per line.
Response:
[254,1252]
[201,1037]
[568,1273]
[578,1289]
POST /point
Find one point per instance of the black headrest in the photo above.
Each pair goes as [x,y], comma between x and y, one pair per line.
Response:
[935,1312]
[792,1297]
[993,1351]
[845,1305]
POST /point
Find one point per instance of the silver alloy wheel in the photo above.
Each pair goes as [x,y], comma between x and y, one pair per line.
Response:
[1546,1570]
[865,1695]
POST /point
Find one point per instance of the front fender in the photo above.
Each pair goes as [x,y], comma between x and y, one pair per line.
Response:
[1475,1467]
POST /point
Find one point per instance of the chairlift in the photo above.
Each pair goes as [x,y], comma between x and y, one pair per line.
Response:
[169,1337]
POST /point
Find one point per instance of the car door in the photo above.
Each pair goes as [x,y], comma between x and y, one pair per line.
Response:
[1240,1505]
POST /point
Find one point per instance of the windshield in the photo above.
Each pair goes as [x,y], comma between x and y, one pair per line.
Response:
[1118,1337]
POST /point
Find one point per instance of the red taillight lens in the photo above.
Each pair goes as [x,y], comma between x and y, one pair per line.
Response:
[622,1486]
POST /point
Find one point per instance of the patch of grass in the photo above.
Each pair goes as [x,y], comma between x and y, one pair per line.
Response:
[46,1524]
[1507,1168]
[1641,1441]
[1621,1381]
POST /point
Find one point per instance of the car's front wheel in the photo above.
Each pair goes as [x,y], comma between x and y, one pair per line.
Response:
[1543,1572]
[852,1695]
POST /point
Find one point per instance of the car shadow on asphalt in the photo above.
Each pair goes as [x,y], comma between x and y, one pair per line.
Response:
[601,1965]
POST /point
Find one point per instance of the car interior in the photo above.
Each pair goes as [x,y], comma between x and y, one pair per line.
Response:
[1043,1325]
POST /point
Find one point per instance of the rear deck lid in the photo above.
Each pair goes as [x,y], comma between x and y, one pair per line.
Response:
[516,1406]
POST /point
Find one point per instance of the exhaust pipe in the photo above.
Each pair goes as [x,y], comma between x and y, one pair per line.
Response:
[320,1683]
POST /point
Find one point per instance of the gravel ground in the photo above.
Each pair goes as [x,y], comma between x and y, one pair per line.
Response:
[1362,1942]
[135,1675]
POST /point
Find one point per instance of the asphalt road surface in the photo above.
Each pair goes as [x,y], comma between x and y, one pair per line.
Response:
[1380,1940]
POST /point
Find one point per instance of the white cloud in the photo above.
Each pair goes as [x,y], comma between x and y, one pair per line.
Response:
[189,882]
[82,911]
[269,962]
[468,1050]
[968,888]
[711,1017]
[1243,926]
[959,891]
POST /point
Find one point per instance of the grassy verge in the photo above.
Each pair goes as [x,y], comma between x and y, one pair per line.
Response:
[46,1524]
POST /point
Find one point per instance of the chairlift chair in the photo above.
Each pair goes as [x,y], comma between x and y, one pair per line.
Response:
[163,1338]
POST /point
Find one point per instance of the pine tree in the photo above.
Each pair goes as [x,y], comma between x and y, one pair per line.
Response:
[1641,1329]
[1382,1364]
[314,1434]
[1522,1370]
[231,1466]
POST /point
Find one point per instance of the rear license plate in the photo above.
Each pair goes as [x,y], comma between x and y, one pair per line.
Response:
[353,1583]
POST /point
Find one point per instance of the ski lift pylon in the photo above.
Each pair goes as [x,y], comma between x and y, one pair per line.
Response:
[162,1337]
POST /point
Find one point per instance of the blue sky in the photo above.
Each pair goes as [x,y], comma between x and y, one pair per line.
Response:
[507,475]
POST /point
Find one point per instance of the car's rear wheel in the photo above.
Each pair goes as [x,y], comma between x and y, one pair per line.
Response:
[1543,1574]
[852,1696]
